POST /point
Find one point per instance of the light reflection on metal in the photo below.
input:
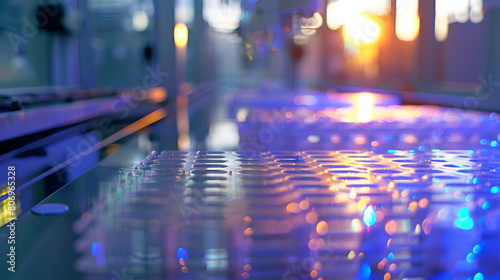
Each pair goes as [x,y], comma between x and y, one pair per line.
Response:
[183,141]
[365,103]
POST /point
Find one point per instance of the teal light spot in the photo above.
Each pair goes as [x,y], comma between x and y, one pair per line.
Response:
[483,142]
[477,249]
[436,180]
[463,213]
[391,151]
[412,152]
[369,216]
[470,152]
[474,181]
[435,150]
[390,257]
[486,205]
[470,258]
[366,271]
[494,143]
[464,223]
[468,197]
[494,189]
[437,156]
[479,276]
[421,148]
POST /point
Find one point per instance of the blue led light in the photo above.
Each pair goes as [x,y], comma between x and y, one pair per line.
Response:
[390,257]
[412,152]
[470,152]
[182,254]
[494,143]
[483,141]
[366,271]
[421,148]
[434,150]
[494,189]
[474,181]
[477,249]
[96,249]
[391,151]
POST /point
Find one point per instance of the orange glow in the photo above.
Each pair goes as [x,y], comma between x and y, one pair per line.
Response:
[181,35]
[427,226]
[423,203]
[311,217]
[184,269]
[314,274]
[293,208]
[387,276]
[322,228]
[247,267]
[247,219]
[361,140]
[245,275]
[313,245]
[413,206]
[304,204]
[248,231]
[158,94]
[361,29]
[390,227]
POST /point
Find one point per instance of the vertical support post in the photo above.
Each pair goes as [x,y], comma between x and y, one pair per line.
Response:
[164,59]
[427,61]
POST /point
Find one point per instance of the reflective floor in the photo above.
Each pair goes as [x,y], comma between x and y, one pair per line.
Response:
[315,192]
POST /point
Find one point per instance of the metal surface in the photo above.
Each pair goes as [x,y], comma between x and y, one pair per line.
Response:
[415,205]
[29,121]
[274,215]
